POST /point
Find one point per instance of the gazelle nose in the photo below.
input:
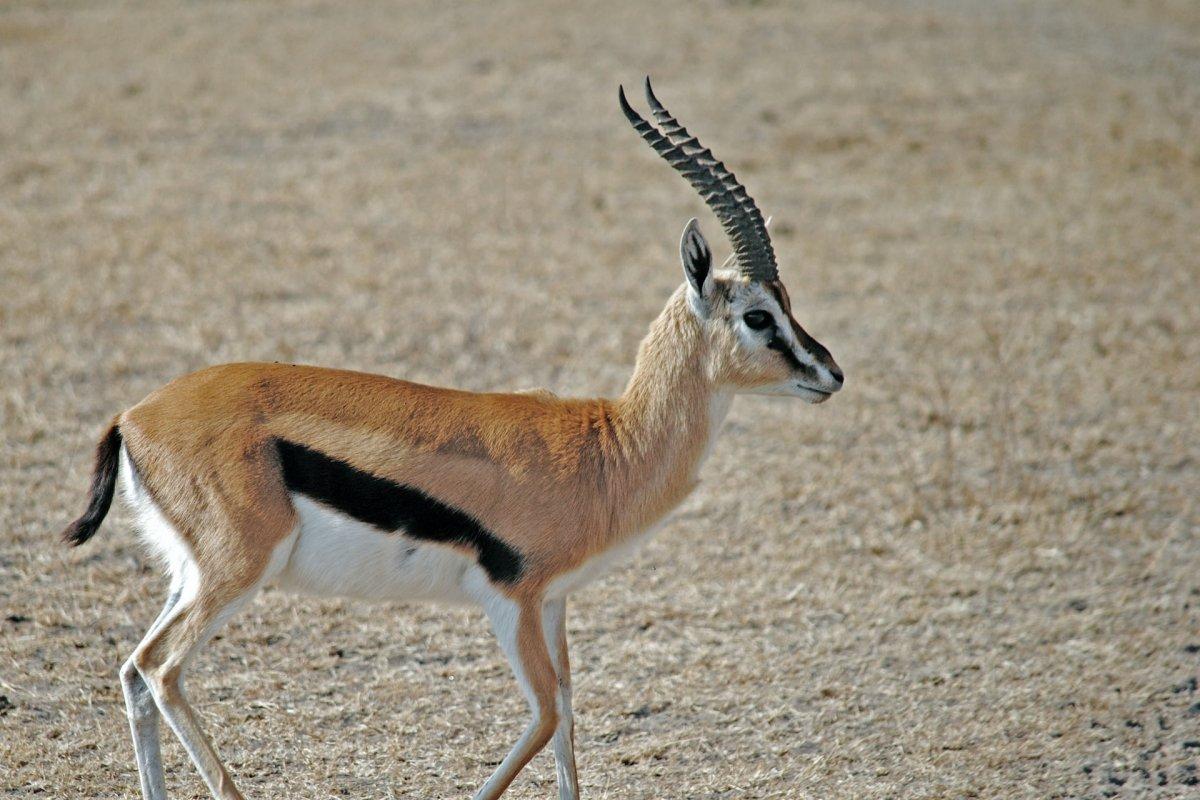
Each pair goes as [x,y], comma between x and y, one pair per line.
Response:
[838,377]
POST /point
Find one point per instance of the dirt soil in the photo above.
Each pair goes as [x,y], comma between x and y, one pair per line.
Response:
[973,573]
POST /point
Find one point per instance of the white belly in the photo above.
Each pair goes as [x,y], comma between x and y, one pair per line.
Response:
[337,555]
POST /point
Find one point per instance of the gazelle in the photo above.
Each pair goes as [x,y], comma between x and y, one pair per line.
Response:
[344,483]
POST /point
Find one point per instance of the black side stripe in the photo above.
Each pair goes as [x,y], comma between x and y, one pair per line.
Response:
[391,506]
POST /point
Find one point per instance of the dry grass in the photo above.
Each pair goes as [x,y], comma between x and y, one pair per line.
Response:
[974,573]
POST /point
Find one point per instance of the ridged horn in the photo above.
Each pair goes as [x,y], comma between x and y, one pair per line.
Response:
[717,186]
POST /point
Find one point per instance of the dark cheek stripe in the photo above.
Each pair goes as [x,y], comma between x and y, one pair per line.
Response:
[807,342]
[779,345]
[391,506]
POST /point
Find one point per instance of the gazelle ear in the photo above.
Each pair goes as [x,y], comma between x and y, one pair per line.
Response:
[697,260]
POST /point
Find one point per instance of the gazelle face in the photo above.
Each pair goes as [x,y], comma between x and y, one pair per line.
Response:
[765,349]
[755,345]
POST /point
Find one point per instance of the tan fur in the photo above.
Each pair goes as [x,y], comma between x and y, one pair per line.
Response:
[559,480]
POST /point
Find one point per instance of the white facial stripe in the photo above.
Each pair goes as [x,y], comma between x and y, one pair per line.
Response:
[802,353]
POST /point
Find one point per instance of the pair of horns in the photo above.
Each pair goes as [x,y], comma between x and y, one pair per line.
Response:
[720,189]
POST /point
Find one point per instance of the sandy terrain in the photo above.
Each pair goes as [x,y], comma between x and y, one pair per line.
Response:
[974,573]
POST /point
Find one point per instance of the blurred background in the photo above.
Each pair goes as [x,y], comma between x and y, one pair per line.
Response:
[974,573]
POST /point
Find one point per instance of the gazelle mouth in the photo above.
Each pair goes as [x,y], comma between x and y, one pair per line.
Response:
[813,395]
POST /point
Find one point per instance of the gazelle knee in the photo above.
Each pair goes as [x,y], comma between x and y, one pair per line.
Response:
[162,677]
[131,677]
[547,723]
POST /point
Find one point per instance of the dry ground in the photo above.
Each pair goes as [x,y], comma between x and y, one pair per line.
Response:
[975,573]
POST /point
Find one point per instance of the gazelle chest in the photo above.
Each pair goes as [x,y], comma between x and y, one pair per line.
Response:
[599,564]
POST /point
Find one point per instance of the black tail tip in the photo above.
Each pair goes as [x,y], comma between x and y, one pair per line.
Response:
[104,479]
[79,531]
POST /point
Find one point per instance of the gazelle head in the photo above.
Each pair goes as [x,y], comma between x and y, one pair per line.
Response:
[755,345]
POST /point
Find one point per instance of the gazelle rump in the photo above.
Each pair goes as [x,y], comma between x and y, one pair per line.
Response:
[336,482]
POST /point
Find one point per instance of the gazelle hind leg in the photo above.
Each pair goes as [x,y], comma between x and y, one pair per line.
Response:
[554,629]
[161,659]
[164,654]
[518,628]
[143,715]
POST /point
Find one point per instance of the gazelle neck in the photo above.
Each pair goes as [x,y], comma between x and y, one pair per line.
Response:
[667,418]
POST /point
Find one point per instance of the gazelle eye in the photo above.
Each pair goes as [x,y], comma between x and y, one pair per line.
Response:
[758,320]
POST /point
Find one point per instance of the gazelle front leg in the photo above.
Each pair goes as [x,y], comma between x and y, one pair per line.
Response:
[518,628]
[554,629]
